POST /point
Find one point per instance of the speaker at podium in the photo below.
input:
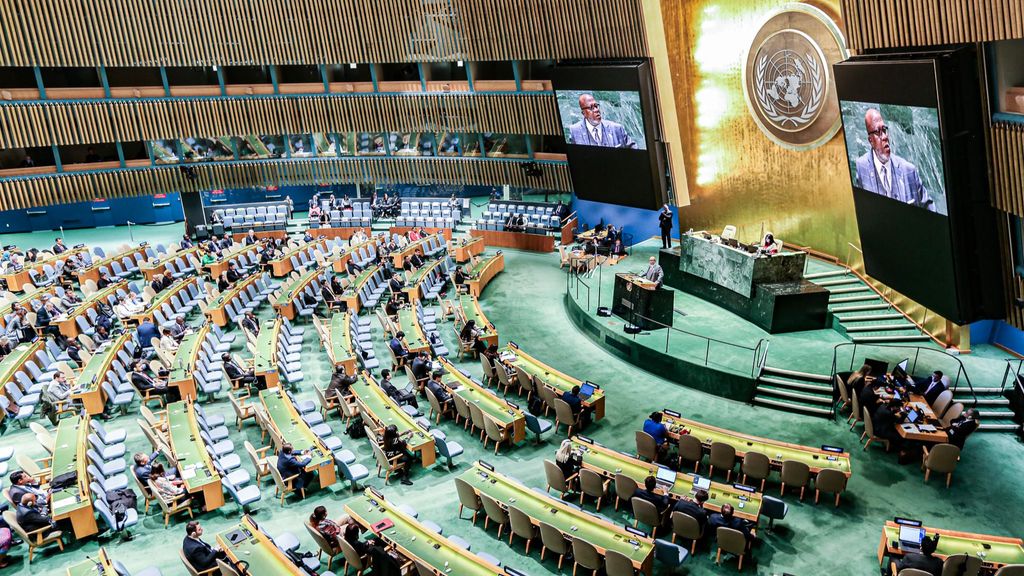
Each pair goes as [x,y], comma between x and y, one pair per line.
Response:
[641,303]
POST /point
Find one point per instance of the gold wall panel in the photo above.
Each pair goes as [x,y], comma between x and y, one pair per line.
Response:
[43,124]
[251,32]
[1007,144]
[23,193]
[895,23]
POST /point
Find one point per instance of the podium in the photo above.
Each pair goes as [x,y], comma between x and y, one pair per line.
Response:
[639,302]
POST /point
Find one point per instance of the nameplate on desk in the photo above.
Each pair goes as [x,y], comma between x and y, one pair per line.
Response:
[512,344]
[485,465]
[584,439]
[744,488]
[907,522]
[513,572]
[376,493]
[636,532]
[672,413]
[512,405]
[833,449]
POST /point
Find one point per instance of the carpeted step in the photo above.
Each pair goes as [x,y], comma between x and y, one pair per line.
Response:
[851,290]
[987,401]
[839,282]
[965,391]
[859,298]
[879,327]
[877,338]
[859,308]
[829,274]
[796,385]
[789,393]
[790,406]
[797,374]
[870,317]
[998,426]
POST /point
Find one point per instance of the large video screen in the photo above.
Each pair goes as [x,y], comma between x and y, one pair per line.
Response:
[895,151]
[609,122]
[608,118]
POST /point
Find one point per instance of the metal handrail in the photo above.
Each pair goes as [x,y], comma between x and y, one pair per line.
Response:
[708,341]
[961,369]
[1009,368]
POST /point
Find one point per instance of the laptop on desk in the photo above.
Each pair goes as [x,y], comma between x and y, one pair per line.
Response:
[587,390]
[666,478]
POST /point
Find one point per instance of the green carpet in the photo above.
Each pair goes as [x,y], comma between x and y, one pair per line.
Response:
[525,303]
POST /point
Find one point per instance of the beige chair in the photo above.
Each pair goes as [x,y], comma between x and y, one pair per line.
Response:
[547,395]
[616,564]
[467,498]
[732,542]
[259,460]
[564,415]
[869,433]
[1011,570]
[283,486]
[844,393]
[352,558]
[625,487]
[647,513]
[594,485]
[490,376]
[503,378]
[690,450]
[942,402]
[585,555]
[961,565]
[348,411]
[36,538]
[551,539]
[520,525]
[226,569]
[556,479]
[796,475]
[478,419]
[941,458]
[327,404]
[756,466]
[192,571]
[495,433]
[952,413]
[172,506]
[722,456]
[462,412]
[146,493]
[242,410]
[526,382]
[688,527]
[436,409]
[33,468]
[385,464]
[829,481]
[913,572]
[330,548]
[646,447]
[494,513]
[856,413]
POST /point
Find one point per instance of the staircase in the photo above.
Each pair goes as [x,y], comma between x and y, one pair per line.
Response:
[859,313]
[993,408]
[794,391]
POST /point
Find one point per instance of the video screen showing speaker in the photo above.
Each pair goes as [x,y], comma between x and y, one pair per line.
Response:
[609,122]
[913,126]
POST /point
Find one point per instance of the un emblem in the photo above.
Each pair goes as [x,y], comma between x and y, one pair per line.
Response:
[787,83]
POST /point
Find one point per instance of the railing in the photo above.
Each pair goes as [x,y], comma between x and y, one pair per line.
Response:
[576,285]
[1009,368]
[893,354]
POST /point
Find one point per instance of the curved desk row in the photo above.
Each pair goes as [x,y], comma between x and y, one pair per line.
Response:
[94,374]
[189,453]
[378,409]
[545,375]
[482,273]
[508,416]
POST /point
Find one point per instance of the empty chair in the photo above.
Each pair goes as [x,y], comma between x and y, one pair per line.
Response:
[831,482]
[625,487]
[645,512]
[942,459]
[690,450]
[585,555]
[521,526]
[774,509]
[756,466]
[722,456]
[688,527]
[494,513]
[551,539]
[796,475]
[1011,570]
[617,564]
[732,542]
[467,498]
[961,565]
[594,485]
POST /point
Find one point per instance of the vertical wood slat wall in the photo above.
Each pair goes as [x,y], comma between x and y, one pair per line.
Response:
[63,123]
[251,32]
[1007,144]
[896,23]
[23,193]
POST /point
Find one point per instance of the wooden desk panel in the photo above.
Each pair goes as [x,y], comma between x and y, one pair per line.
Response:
[518,240]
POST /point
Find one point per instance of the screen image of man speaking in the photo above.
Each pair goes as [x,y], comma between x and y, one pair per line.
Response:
[593,131]
[882,172]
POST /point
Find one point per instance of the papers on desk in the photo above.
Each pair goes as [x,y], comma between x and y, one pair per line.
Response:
[69,501]
[912,428]
[507,356]
[926,428]
[188,472]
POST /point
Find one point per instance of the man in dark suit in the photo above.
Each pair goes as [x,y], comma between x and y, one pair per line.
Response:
[961,427]
[440,392]
[660,501]
[593,130]
[22,483]
[289,465]
[238,373]
[32,517]
[233,274]
[340,383]
[665,223]
[398,346]
[250,323]
[727,519]
[186,242]
[145,382]
[58,246]
[932,387]
[925,560]
[199,554]
[572,398]
[420,369]
[695,508]
[401,397]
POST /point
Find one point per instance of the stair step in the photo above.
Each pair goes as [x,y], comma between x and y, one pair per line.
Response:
[791,384]
[996,414]
[892,338]
[829,274]
[852,290]
[1001,427]
[870,317]
[797,374]
[880,327]
[839,282]
[862,298]
[802,408]
[809,398]
[991,401]
[965,391]
[859,308]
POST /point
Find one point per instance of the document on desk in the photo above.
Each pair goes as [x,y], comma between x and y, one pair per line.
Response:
[70,500]
[926,428]
[912,428]
[188,473]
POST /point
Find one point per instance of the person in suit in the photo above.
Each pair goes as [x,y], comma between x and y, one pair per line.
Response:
[727,519]
[695,508]
[178,328]
[18,328]
[884,173]
[186,242]
[592,130]
[144,382]
[440,392]
[340,383]
[401,397]
[199,554]
[5,346]
[45,315]
[146,331]
[932,387]
[23,483]
[420,369]
[665,224]
[398,346]
[58,246]
[233,275]
[648,493]
[572,398]
[32,516]
[290,465]
[235,372]
[884,419]
[251,324]
[924,560]
[654,273]
[961,427]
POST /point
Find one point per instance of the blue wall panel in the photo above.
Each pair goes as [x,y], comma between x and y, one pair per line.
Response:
[641,223]
[108,212]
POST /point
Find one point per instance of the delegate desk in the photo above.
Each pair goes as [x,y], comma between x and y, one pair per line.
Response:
[398,257]
[383,411]
[351,294]
[15,361]
[217,312]
[337,341]
[415,340]
[545,375]
[571,522]
[16,280]
[93,272]
[414,540]
[245,542]
[469,308]
[221,266]
[508,416]
[769,291]
[163,298]
[639,301]
[482,272]
[87,388]
[414,282]
[283,266]
[284,302]
[520,240]
[155,266]
[926,430]
[66,322]
[608,463]
[73,503]
[994,551]
[463,250]
[185,358]
[99,567]
[194,464]
[290,428]
[817,459]
[265,356]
